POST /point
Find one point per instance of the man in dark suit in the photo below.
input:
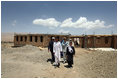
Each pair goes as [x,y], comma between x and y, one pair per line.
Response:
[50,48]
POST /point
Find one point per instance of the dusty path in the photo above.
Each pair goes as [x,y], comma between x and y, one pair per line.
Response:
[31,62]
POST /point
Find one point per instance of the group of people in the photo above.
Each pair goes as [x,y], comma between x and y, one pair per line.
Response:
[64,47]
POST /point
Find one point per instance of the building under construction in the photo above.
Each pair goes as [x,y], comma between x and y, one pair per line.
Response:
[84,41]
[35,39]
[96,41]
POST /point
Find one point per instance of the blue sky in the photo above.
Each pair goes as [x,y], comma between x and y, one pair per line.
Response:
[77,17]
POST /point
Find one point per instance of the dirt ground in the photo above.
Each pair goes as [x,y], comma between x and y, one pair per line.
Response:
[31,62]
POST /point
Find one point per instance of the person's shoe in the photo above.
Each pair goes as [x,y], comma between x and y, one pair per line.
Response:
[54,64]
[67,66]
[71,66]
[58,65]
[65,61]
[51,62]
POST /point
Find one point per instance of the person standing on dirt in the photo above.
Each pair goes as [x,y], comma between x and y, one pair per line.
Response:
[50,48]
[70,52]
[57,48]
[64,46]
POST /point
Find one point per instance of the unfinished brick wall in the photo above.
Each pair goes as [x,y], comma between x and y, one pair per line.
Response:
[103,42]
[35,39]
[17,39]
[114,42]
[99,41]
[88,41]
[26,39]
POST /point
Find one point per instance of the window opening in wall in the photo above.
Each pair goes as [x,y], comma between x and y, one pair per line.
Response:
[25,38]
[41,38]
[58,37]
[51,37]
[30,38]
[36,38]
[88,41]
[106,40]
[98,39]
[16,38]
[21,38]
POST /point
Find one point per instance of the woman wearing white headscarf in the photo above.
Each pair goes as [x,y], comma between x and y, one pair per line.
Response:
[70,52]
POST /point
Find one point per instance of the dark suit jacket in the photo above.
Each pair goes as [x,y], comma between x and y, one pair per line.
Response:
[50,46]
[68,53]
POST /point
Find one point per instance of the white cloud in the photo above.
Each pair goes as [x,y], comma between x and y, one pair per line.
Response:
[82,22]
[51,22]
[14,23]
[63,31]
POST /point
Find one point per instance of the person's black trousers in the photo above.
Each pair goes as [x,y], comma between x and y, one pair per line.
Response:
[70,63]
[70,60]
[53,58]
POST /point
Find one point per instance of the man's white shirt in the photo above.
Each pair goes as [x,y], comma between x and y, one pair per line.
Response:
[57,48]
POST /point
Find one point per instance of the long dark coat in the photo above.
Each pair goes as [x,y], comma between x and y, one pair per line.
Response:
[50,46]
[70,55]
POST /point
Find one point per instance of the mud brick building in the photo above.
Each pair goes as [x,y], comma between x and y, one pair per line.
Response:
[35,39]
[85,41]
[97,41]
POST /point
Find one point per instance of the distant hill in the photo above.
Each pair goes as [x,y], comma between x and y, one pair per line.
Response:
[7,37]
